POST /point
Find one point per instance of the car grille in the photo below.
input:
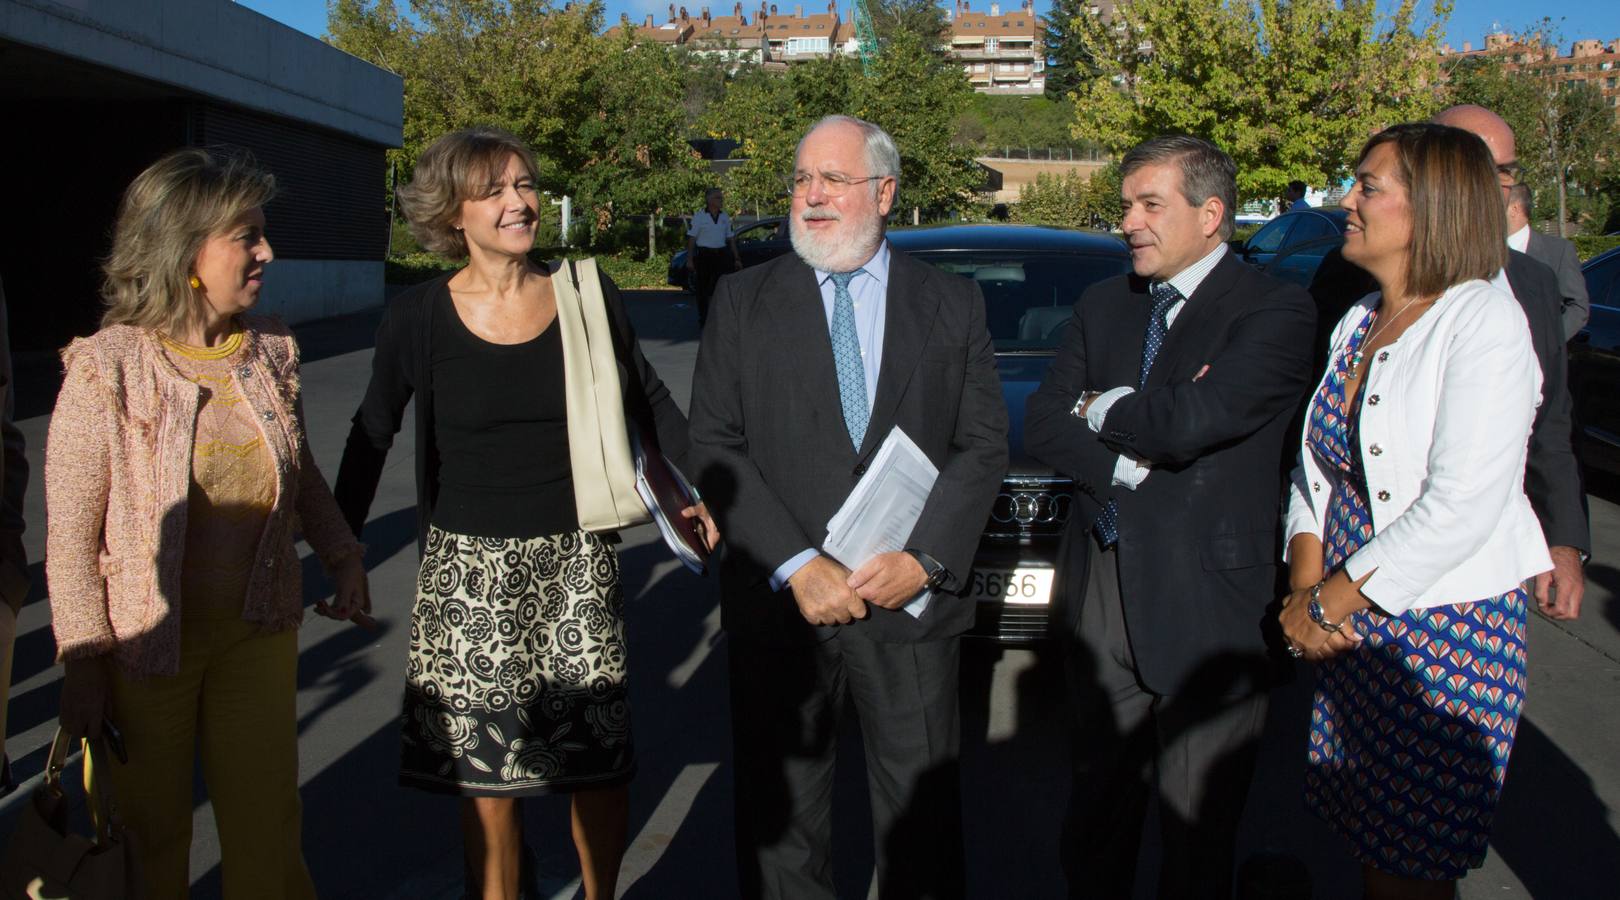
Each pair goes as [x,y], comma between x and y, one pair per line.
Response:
[1011,622]
[1030,507]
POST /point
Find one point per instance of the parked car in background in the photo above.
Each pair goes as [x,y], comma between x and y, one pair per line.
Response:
[1031,277]
[1594,368]
[1288,231]
[1299,262]
[757,242]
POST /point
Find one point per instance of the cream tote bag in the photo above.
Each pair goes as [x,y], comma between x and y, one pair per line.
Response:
[598,440]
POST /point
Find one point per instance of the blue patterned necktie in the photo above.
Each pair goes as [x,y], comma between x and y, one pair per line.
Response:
[846,346]
[1164,296]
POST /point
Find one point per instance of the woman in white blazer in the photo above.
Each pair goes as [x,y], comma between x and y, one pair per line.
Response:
[1409,534]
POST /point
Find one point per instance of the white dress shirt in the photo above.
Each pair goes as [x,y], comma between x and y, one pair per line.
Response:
[1520,240]
[709,232]
[1129,472]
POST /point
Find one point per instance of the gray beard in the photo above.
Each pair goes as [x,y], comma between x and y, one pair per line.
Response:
[835,252]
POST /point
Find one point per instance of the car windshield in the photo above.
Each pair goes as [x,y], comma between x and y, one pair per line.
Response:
[1028,296]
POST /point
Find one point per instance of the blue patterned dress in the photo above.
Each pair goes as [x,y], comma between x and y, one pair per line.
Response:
[1410,733]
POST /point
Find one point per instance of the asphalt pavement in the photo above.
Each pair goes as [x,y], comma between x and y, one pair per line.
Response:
[366,837]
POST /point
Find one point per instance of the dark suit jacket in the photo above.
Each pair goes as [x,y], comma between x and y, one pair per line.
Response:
[1559,255]
[1199,540]
[1552,476]
[772,455]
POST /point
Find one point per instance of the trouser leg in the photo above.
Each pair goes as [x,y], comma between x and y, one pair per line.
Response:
[1112,743]
[784,727]
[906,695]
[158,719]
[249,744]
[1206,760]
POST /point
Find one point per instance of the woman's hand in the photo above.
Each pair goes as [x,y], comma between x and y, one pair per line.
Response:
[352,599]
[86,696]
[705,525]
[1310,640]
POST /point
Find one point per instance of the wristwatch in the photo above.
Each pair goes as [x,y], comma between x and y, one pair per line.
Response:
[1080,404]
[1317,614]
[931,567]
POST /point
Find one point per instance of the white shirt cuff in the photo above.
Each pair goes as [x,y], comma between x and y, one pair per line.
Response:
[779,578]
[1104,402]
[1128,473]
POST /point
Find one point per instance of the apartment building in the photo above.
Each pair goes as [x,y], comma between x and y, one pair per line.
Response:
[769,37]
[1000,52]
[1591,61]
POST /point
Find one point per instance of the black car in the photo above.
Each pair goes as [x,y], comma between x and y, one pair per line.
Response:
[1030,277]
[1594,367]
[1288,231]
[757,242]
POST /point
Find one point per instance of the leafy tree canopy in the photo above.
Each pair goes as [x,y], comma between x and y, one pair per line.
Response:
[1289,88]
[605,116]
[911,92]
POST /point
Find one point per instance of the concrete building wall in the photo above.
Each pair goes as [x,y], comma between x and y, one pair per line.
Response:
[301,289]
[219,49]
[102,88]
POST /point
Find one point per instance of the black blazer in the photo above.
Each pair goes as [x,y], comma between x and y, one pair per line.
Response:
[401,369]
[772,455]
[1552,477]
[1199,540]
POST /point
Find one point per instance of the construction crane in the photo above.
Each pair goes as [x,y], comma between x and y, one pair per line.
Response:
[865,36]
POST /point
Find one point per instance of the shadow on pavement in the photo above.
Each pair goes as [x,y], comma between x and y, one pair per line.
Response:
[1551,829]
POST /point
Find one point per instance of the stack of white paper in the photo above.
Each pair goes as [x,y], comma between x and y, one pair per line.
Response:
[880,513]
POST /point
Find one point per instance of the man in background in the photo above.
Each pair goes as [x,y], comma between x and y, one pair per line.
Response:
[1553,252]
[1296,197]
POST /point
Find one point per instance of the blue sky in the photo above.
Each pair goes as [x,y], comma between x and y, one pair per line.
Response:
[1470,19]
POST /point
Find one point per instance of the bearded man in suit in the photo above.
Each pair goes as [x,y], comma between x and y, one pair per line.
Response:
[1169,403]
[806,365]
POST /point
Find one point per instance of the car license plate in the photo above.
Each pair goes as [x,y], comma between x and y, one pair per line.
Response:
[1032,586]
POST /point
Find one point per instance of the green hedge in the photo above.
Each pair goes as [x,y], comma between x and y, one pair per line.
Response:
[1590,245]
[626,271]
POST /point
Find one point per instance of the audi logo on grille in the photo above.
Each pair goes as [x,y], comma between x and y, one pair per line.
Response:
[1025,508]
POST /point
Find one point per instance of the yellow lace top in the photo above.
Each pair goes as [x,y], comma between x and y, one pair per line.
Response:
[233,484]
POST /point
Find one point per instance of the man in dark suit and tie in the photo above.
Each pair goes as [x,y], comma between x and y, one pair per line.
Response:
[1169,403]
[1555,253]
[807,363]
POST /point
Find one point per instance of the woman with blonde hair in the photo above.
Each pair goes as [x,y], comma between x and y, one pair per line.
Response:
[176,472]
[1409,531]
[515,683]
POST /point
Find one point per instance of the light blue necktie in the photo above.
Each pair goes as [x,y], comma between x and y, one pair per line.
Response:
[846,346]
[1164,296]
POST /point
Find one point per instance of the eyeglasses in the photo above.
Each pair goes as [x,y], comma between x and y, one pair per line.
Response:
[1509,173]
[832,183]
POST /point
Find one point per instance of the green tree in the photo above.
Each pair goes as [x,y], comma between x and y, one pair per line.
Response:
[1289,89]
[911,92]
[915,95]
[992,122]
[1066,56]
[1564,131]
[604,117]
[1071,199]
[632,145]
[923,18]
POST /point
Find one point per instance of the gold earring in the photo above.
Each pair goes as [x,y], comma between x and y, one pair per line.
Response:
[196,282]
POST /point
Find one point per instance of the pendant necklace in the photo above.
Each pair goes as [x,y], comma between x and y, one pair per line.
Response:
[1379,328]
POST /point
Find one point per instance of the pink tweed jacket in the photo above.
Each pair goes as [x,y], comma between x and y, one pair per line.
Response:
[117,474]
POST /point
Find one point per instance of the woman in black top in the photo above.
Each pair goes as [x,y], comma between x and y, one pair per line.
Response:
[515,683]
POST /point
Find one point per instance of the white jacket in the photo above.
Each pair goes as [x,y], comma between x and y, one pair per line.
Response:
[1445,425]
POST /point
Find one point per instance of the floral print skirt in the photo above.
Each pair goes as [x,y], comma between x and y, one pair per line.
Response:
[516,679]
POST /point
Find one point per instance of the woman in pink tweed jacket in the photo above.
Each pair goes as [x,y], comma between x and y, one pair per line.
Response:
[176,471]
